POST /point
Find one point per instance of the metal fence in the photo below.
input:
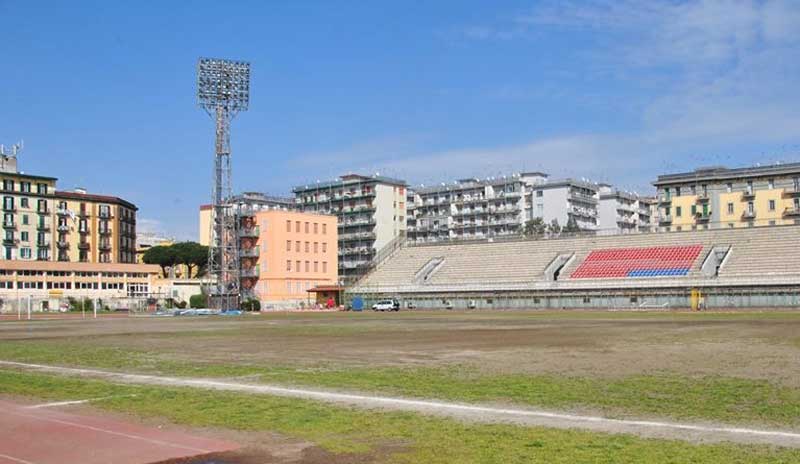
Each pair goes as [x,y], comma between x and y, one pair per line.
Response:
[34,306]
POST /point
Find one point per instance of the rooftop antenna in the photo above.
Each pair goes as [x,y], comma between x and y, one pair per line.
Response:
[223,90]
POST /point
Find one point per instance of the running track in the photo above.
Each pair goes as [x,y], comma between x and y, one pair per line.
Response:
[45,435]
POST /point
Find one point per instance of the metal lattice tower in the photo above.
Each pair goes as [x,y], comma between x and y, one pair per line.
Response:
[223,90]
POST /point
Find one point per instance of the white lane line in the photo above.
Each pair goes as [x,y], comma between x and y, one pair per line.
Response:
[401,403]
[13,459]
[68,403]
[110,432]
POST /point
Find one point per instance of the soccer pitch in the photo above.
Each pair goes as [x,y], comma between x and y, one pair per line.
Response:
[710,370]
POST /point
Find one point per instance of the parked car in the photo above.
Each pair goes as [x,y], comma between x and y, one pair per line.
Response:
[386,305]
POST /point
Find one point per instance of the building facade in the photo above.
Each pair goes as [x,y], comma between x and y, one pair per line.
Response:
[94,228]
[51,282]
[43,224]
[723,197]
[566,201]
[253,201]
[371,213]
[468,209]
[284,254]
[622,212]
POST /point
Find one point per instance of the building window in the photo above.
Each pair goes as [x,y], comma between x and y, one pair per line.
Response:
[25,187]
[316,266]
[23,203]
[324,266]
[297,226]
[678,210]
[297,265]
[694,210]
[306,227]
[539,194]
[730,208]
[772,204]
[729,187]
[308,266]
[324,247]
[288,245]
[289,265]
[316,247]
[677,191]
[288,226]
[316,227]
[23,236]
[324,229]
[771,184]
[750,208]
[297,246]
[307,247]
[25,252]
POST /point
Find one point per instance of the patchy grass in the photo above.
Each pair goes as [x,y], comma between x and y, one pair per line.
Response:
[421,439]
[717,398]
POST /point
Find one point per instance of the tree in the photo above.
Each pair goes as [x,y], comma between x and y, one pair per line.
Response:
[534,228]
[191,254]
[572,226]
[197,301]
[162,255]
[554,229]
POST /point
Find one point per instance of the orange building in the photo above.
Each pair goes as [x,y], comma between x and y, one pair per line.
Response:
[286,253]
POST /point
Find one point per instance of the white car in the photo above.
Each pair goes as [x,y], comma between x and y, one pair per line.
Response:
[385,305]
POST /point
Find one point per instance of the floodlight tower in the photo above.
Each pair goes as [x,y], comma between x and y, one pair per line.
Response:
[223,90]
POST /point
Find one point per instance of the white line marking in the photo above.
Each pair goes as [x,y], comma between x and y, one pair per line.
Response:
[407,404]
[68,403]
[110,432]
[20,461]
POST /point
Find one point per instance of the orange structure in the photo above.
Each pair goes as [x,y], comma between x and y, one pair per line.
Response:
[283,254]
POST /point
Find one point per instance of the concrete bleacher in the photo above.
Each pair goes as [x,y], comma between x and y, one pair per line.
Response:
[755,253]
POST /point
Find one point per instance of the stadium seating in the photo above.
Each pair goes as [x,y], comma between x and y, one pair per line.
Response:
[755,253]
[668,261]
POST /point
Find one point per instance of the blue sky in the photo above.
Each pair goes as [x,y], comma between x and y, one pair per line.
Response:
[620,91]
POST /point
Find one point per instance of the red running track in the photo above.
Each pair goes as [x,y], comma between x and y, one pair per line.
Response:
[49,436]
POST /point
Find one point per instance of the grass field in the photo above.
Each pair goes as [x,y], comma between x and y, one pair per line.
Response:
[737,368]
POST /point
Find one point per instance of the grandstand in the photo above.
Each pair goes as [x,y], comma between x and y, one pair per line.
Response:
[753,267]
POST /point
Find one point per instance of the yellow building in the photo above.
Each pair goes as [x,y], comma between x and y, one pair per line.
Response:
[722,197]
[94,228]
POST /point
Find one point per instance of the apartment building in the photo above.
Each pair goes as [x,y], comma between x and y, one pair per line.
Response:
[724,197]
[28,202]
[284,254]
[622,212]
[94,228]
[250,201]
[565,201]
[468,209]
[371,213]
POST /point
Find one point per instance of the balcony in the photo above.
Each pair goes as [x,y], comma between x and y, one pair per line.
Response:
[105,215]
[9,225]
[43,244]
[43,226]
[104,246]
[749,215]
[83,245]
[702,197]
[83,213]
[582,197]
[62,212]
[253,232]
[665,200]
[250,272]
[666,219]
[792,192]
[63,228]
[43,210]
[748,195]
[252,252]
[793,212]
[357,236]
[10,242]
[83,231]
[702,217]
[62,244]
[104,231]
